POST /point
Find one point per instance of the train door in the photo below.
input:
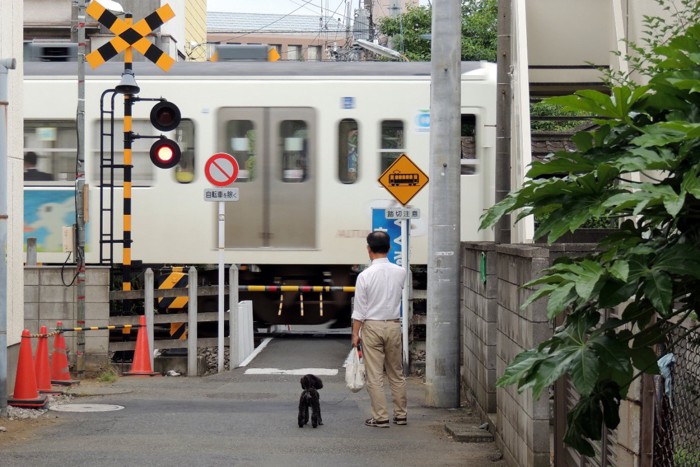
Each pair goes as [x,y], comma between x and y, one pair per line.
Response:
[275,152]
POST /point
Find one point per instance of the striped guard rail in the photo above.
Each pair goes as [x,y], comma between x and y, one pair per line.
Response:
[87,328]
[295,288]
[97,328]
[211,290]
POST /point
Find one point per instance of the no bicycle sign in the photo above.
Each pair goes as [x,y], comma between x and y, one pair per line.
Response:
[221,169]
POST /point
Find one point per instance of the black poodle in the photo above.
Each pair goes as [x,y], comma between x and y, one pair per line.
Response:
[310,399]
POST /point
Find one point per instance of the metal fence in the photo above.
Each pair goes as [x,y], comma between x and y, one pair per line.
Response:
[677,402]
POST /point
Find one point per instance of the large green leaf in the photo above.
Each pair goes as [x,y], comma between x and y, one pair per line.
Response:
[584,371]
[560,298]
[620,270]
[658,288]
[612,353]
[562,164]
[590,274]
[640,159]
[680,259]
[520,366]
[497,211]
[644,359]
[614,292]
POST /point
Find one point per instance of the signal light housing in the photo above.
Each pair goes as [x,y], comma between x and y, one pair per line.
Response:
[165,116]
[165,153]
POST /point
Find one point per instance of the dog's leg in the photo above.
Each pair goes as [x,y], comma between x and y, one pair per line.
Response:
[315,410]
[302,405]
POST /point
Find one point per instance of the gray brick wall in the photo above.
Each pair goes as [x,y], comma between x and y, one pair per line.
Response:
[50,296]
[522,421]
[495,329]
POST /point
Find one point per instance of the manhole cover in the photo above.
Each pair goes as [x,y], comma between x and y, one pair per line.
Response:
[86,408]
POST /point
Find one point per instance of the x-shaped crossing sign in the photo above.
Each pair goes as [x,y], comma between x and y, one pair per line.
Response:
[127,36]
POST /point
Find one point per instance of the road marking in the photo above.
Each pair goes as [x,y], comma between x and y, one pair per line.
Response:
[255,353]
[298,371]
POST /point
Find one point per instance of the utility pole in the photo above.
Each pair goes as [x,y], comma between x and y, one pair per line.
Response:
[443,323]
[504,102]
[80,193]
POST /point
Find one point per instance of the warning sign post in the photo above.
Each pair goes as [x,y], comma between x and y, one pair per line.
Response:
[221,170]
[403,179]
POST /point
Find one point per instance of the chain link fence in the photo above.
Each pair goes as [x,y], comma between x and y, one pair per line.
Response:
[677,402]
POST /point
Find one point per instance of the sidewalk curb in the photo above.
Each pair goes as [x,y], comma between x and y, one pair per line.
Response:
[465,433]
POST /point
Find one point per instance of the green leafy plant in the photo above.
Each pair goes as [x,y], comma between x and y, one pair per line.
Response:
[640,166]
[479,25]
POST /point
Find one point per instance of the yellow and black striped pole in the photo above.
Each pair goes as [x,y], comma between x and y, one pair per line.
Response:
[129,36]
[128,105]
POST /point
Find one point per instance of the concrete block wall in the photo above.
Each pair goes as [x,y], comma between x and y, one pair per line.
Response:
[50,296]
[522,430]
[495,329]
[478,338]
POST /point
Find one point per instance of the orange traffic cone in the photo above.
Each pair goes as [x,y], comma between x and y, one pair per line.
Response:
[41,364]
[26,393]
[59,360]
[141,365]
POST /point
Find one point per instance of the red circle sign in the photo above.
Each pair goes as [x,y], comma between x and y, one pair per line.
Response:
[221,169]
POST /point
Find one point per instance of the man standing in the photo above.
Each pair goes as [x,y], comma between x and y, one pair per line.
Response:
[376,315]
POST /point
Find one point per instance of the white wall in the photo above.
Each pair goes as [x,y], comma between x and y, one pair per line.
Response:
[11,47]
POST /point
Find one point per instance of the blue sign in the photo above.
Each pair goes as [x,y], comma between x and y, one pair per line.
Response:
[423,120]
[347,102]
[393,228]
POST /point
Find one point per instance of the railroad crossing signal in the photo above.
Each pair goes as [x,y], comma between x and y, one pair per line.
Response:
[127,36]
[403,179]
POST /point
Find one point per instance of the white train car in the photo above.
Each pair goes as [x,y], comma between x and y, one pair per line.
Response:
[311,141]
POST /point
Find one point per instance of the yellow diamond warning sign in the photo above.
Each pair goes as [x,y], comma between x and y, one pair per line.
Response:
[403,179]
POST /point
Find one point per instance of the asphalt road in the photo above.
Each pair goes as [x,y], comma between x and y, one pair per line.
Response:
[240,419]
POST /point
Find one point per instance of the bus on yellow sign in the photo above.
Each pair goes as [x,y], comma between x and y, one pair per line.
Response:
[403,179]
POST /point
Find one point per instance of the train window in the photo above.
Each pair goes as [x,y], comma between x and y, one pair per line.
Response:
[184,135]
[391,144]
[294,134]
[348,150]
[469,159]
[50,151]
[143,170]
[241,135]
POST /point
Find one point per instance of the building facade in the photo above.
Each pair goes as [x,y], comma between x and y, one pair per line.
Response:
[327,36]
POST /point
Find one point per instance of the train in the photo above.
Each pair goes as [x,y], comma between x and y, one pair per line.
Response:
[310,141]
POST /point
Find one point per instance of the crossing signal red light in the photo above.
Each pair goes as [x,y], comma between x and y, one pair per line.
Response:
[165,153]
[165,116]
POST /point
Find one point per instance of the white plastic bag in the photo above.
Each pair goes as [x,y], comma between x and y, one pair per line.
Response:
[354,371]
